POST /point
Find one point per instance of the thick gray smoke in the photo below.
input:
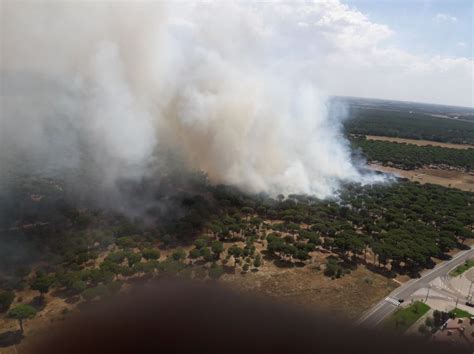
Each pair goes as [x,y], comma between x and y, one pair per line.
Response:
[104,88]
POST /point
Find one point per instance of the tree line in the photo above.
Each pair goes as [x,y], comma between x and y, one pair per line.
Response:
[403,124]
[409,156]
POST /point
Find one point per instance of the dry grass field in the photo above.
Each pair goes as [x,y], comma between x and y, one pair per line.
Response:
[346,298]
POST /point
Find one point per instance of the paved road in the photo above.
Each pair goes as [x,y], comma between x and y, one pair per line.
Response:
[381,310]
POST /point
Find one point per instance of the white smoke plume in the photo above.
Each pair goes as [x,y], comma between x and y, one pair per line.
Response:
[103,86]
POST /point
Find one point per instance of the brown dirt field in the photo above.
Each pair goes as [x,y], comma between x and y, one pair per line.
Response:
[445,178]
[346,298]
[418,142]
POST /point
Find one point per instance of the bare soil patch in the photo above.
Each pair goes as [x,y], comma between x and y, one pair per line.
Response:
[419,142]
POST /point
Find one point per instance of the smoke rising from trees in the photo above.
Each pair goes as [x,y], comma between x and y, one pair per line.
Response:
[108,89]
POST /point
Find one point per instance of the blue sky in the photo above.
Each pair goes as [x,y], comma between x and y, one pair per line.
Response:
[424,27]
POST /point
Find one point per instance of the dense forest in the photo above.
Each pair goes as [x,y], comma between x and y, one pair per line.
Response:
[86,253]
[408,156]
[403,124]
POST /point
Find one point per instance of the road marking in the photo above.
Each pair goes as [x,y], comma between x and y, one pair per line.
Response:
[371,311]
[439,267]
[392,301]
[442,265]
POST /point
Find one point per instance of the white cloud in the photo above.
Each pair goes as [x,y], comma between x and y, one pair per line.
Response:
[345,52]
[440,17]
[461,44]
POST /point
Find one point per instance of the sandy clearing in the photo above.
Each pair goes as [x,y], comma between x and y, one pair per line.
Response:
[419,142]
[307,287]
[446,178]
